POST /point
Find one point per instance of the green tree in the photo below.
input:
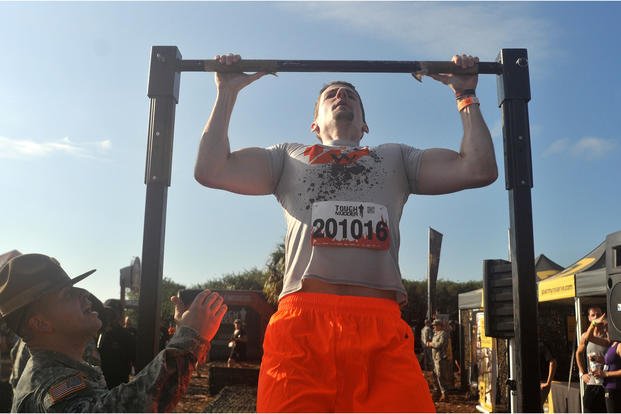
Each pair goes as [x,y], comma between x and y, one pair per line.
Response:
[169,288]
[447,292]
[275,274]
[251,279]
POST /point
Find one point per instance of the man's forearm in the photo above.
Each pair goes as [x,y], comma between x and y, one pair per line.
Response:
[477,149]
[551,371]
[578,357]
[214,148]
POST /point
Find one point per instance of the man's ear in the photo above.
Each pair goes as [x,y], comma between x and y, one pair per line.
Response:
[38,324]
[314,127]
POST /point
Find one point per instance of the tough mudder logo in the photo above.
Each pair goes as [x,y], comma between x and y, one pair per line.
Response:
[351,211]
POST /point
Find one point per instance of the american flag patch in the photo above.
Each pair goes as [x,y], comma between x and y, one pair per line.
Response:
[67,387]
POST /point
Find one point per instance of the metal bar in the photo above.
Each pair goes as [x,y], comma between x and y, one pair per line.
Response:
[578,312]
[513,97]
[163,90]
[362,66]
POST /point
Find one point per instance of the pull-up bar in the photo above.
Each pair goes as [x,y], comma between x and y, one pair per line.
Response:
[361,66]
[511,70]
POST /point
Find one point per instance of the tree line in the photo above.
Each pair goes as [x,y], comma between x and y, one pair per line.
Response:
[269,281]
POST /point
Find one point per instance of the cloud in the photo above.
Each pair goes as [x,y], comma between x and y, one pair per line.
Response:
[433,30]
[589,148]
[15,148]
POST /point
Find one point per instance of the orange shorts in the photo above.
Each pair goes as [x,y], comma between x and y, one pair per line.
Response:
[329,353]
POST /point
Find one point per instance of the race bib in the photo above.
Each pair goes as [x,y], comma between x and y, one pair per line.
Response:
[350,224]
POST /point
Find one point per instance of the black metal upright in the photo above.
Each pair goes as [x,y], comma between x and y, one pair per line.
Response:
[513,97]
[163,90]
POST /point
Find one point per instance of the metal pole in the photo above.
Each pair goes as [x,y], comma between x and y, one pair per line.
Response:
[578,311]
[361,66]
[513,97]
[164,93]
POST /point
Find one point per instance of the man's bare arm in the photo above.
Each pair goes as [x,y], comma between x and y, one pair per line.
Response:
[579,355]
[445,171]
[246,171]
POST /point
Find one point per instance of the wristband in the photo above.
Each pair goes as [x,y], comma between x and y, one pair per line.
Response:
[594,323]
[467,101]
[465,93]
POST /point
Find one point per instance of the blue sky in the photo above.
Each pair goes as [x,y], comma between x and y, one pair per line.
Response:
[74,115]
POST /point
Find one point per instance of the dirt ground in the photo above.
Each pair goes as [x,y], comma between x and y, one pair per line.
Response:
[197,397]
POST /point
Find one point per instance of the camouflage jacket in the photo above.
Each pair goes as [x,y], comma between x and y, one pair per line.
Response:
[439,345]
[53,382]
[20,354]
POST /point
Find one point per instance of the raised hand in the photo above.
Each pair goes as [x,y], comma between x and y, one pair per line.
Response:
[233,81]
[204,314]
[459,83]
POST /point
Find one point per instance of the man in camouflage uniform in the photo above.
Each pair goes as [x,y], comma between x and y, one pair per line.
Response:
[39,302]
[439,352]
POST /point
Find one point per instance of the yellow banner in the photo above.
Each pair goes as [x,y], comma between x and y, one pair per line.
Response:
[557,288]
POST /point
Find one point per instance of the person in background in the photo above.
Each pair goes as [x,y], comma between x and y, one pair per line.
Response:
[426,334]
[237,344]
[117,348]
[609,369]
[547,366]
[439,346]
[594,343]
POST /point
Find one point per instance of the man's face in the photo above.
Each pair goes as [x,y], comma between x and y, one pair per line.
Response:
[340,104]
[68,312]
[594,313]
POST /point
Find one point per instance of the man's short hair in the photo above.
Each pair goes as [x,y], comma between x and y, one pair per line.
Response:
[343,83]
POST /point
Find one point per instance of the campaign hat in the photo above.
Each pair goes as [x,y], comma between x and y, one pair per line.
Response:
[25,279]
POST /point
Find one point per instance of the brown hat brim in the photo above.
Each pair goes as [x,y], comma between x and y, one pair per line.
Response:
[50,289]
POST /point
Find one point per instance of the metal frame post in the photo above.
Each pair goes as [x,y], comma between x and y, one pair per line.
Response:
[513,97]
[578,311]
[163,90]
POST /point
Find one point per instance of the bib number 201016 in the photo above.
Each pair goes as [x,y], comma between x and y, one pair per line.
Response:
[350,224]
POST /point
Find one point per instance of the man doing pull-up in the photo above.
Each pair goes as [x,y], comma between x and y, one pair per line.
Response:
[337,341]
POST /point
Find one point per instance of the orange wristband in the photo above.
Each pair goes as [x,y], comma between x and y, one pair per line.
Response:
[467,101]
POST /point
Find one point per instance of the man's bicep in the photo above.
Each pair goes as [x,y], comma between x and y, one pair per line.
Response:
[247,171]
[440,172]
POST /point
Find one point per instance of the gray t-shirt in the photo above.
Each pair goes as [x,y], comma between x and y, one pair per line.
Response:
[598,350]
[342,207]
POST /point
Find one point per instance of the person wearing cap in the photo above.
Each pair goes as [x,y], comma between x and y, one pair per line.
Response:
[426,334]
[20,353]
[39,302]
[439,352]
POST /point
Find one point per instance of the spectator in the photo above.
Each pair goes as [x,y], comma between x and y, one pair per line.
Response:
[237,344]
[594,341]
[547,366]
[426,334]
[439,345]
[117,348]
[55,319]
[609,369]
